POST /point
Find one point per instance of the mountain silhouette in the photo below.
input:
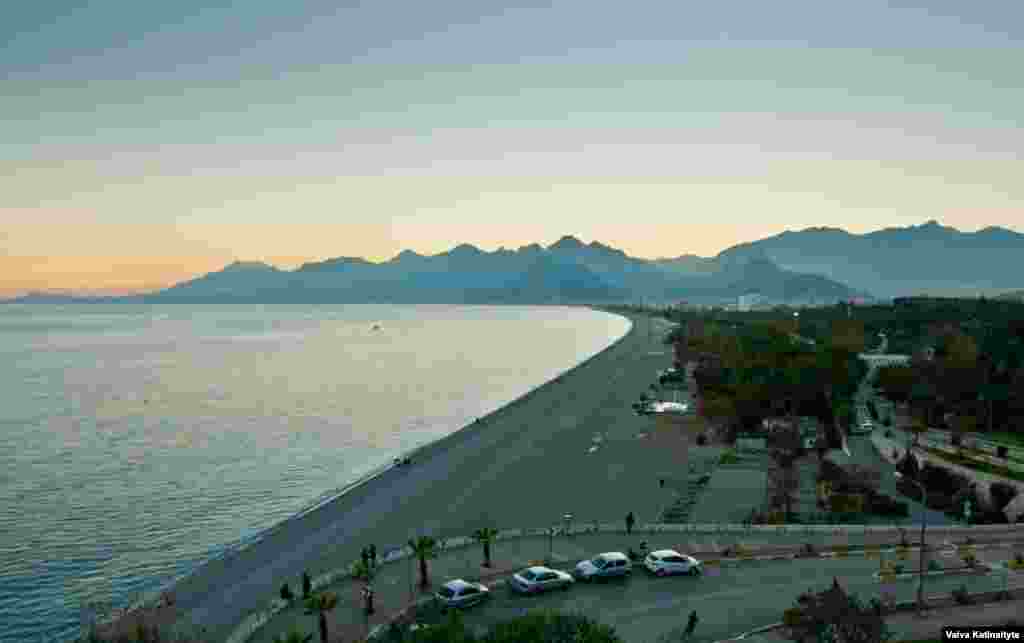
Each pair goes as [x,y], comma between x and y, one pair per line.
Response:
[567,271]
[926,259]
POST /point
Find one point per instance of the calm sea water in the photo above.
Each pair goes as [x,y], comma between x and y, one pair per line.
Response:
[137,442]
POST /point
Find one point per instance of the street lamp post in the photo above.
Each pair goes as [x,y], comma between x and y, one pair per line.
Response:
[568,522]
[924,516]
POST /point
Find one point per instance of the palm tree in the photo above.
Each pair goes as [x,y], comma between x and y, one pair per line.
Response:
[424,548]
[321,604]
[363,571]
[294,636]
[485,536]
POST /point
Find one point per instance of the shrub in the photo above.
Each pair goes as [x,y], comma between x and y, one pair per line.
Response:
[702,440]
[729,457]
[307,585]
[792,617]
[898,568]
[961,596]
[1002,494]
[887,422]
[286,593]
[1002,452]
[934,566]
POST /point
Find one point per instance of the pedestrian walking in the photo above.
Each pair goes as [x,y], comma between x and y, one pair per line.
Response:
[630,521]
[368,600]
[373,555]
[691,623]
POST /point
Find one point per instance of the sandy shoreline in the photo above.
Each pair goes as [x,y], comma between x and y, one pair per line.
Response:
[524,464]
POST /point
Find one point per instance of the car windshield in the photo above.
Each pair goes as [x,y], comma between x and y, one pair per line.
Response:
[528,575]
[447,592]
[598,562]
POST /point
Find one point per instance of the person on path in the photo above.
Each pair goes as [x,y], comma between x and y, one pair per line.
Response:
[630,521]
[373,555]
[368,600]
[691,623]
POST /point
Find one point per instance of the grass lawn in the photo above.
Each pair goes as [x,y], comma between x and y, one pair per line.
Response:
[977,465]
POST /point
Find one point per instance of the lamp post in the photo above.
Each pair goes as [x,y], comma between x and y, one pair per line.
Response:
[568,521]
[924,515]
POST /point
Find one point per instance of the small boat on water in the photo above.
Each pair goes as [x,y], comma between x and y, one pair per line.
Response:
[376,327]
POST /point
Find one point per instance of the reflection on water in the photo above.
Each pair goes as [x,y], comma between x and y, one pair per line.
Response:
[137,441]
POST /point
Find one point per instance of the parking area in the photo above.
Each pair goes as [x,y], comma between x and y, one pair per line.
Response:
[727,599]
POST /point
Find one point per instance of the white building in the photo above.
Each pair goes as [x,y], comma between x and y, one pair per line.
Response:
[884,360]
[746,302]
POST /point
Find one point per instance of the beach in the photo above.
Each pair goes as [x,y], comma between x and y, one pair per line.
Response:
[525,465]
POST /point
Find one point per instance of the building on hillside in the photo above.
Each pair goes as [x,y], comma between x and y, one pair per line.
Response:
[745,303]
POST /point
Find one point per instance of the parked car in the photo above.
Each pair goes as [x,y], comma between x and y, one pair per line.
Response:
[665,562]
[460,593]
[534,580]
[606,565]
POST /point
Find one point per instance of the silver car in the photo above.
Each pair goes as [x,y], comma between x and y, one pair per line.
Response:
[606,565]
[460,593]
[668,561]
[534,580]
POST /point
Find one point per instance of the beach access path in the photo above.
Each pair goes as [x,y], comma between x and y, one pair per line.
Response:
[526,465]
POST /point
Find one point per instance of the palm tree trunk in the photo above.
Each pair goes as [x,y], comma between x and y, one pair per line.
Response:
[323,628]
[487,554]
[423,573]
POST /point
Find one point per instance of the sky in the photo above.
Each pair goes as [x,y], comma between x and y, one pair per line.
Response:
[145,143]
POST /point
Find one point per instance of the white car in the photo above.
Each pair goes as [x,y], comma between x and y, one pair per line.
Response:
[534,580]
[604,565]
[668,561]
[460,593]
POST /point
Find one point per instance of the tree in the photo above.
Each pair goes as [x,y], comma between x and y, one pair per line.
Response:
[485,536]
[294,636]
[833,616]
[320,604]
[424,548]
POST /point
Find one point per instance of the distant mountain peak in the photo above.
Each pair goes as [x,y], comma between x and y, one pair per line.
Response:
[406,255]
[238,266]
[465,249]
[568,242]
[335,263]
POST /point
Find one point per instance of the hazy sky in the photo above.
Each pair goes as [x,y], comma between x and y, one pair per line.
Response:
[144,142]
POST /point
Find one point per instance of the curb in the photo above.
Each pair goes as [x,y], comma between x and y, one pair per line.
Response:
[244,630]
[980,570]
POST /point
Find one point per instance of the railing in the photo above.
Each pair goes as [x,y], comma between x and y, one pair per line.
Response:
[736,531]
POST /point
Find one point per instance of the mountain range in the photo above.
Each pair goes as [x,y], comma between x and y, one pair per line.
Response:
[929,259]
[813,265]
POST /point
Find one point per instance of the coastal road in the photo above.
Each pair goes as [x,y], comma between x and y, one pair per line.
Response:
[731,600]
[525,465]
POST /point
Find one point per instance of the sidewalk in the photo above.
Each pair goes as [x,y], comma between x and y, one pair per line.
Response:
[395,585]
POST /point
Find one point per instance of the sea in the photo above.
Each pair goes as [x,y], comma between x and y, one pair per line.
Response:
[137,442]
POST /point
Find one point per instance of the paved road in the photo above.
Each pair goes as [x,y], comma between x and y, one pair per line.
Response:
[395,589]
[733,599]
